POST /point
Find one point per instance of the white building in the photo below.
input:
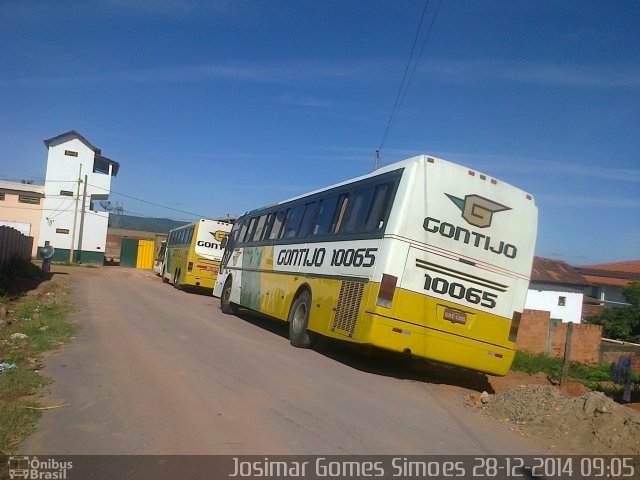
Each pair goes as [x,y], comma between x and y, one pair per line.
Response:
[72,159]
[557,288]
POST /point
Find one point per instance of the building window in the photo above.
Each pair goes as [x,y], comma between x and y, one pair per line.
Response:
[562,301]
[29,199]
[1,196]
[71,153]
[62,230]
[100,166]
[66,193]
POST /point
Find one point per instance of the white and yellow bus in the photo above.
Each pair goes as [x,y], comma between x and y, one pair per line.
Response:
[193,253]
[424,257]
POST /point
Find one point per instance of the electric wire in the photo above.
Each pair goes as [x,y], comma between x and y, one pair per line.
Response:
[409,72]
[198,215]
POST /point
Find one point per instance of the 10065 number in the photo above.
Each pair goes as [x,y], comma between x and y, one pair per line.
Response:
[459,291]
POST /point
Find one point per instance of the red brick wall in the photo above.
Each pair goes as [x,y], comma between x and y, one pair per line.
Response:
[534,333]
[611,353]
[585,342]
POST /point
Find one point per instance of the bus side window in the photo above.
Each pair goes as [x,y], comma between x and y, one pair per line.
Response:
[294,217]
[278,223]
[343,202]
[250,229]
[378,210]
[360,202]
[257,234]
[325,213]
[268,226]
[243,230]
[190,235]
[309,214]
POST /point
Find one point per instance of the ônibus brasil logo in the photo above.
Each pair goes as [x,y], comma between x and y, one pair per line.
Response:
[477,210]
[32,468]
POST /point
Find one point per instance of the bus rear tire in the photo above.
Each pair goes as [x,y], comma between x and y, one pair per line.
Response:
[299,336]
[176,280]
[225,299]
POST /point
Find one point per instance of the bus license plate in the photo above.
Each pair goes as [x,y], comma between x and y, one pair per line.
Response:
[455,316]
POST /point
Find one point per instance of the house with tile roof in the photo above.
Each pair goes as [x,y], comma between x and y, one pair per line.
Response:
[558,288]
[607,279]
[21,208]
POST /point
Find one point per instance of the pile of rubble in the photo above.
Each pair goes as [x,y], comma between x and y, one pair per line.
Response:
[589,424]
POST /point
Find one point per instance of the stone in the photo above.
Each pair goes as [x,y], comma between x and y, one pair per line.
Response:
[18,336]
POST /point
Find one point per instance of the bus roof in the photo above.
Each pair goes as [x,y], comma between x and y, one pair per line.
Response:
[385,169]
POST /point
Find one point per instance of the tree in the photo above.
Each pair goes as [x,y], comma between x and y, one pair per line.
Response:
[622,323]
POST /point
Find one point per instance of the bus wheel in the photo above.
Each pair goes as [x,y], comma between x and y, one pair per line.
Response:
[299,321]
[176,280]
[225,299]
[164,278]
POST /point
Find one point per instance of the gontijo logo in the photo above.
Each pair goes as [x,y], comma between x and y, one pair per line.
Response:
[218,236]
[477,210]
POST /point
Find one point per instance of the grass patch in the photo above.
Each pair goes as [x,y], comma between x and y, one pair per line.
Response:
[596,377]
[18,421]
[43,321]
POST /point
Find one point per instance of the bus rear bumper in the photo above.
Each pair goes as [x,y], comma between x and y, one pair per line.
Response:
[198,281]
[438,346]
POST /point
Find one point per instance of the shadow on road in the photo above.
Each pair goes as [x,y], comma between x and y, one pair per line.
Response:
[380,362]
[19,276]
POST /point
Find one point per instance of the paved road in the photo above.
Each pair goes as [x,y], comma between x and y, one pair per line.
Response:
[159,371]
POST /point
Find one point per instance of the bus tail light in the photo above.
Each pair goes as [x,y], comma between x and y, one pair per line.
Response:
[387,289]
[189,266]
[515,325]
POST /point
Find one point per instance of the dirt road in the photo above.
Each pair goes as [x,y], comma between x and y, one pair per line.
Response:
[159,371]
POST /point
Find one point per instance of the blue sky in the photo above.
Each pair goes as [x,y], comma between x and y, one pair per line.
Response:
[218,107]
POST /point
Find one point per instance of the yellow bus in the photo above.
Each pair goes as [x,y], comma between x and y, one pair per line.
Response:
[424,257]
[193,253]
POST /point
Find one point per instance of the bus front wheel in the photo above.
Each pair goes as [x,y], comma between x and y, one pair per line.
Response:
[225,299]
[299,336]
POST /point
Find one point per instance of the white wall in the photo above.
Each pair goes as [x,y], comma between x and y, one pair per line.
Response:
[58,211]
[548,300]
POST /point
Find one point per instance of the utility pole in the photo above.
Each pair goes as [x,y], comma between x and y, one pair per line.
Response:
[376,160]
[84,204]
[75,216]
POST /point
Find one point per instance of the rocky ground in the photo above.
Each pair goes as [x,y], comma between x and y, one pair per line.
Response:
[589,423]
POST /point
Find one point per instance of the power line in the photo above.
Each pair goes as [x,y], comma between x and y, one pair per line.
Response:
[150,203]
[198,215]
[407,76]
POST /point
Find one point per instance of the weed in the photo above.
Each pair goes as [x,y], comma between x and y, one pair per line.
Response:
[596,377]
[45,326]
[19,419]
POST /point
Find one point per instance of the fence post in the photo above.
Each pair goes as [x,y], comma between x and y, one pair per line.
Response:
[567,354]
